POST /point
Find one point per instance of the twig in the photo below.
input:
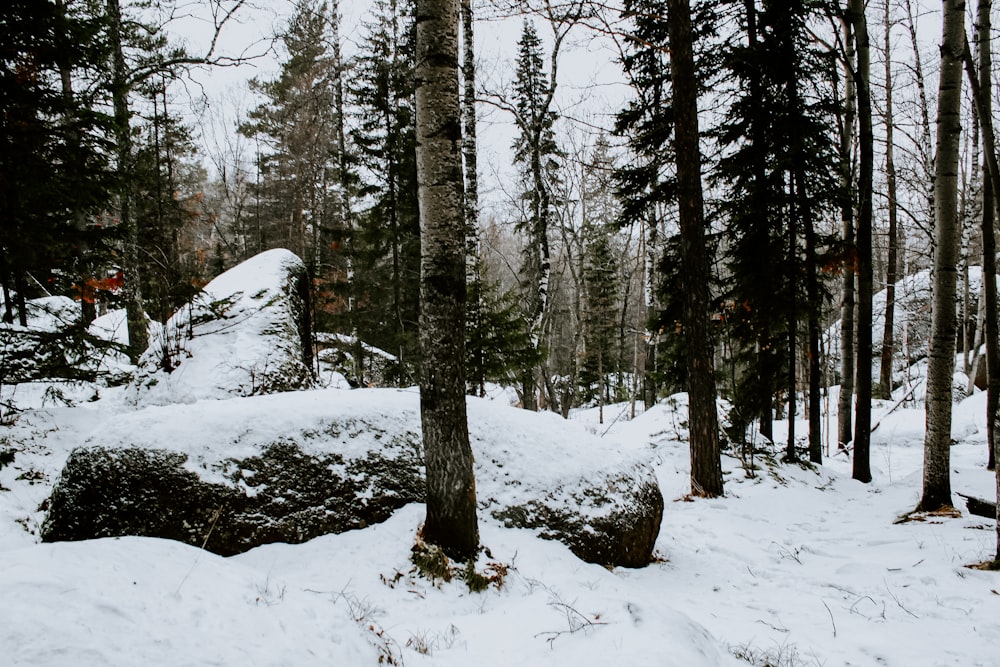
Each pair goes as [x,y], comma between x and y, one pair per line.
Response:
[577,621]
[831,618]
[896,600]
[215,519]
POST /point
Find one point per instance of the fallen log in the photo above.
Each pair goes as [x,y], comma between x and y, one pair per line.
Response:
[980,507]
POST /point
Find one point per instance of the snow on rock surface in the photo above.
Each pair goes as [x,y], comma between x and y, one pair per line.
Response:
[245,334]
[235,474]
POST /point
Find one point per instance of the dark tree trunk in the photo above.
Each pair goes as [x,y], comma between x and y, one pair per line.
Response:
[706,468]
[451,490]
[991,186]
[863,381]
[892,260]
[138,332]
[815,369]
[989,293]
[845,404]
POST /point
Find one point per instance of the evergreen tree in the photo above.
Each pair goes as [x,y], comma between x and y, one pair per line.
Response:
[536,152]
[54,145]
[386,242]
[168,182]
[776,173]
[297,124]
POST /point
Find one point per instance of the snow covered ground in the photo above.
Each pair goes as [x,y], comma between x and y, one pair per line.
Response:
[796,566]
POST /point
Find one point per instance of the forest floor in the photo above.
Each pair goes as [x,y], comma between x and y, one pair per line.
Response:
[796,565]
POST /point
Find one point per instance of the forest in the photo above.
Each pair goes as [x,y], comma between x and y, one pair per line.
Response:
[767,227]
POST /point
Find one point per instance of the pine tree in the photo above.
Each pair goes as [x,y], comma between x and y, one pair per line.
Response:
[536,152]
[777,172]
[54,169]
[297,125]
[385,246]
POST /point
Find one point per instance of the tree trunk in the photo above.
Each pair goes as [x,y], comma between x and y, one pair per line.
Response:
[815,369]
[863,381]
[706,468]
[941,365]
[138,332]
[845,404]
[991,204]
[451,491]
[471,176]
[892,260]
[989,290]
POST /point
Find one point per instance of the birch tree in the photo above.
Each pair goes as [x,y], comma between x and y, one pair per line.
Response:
[451,491]
[941,364]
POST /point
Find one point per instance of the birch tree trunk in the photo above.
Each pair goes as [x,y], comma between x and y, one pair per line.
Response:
[451,491]
[706,467]
[845,404]
[941,365]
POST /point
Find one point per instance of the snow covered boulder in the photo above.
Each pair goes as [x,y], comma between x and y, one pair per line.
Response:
[246,333]
[232,475]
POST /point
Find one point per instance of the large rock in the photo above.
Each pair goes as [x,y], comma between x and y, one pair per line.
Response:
[291,467]
[247,333]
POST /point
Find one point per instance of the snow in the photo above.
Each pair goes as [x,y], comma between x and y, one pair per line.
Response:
[797,565]
[237,336]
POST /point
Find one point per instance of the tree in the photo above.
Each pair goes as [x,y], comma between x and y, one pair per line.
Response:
[299,195]
[385,242]
[535,149]
[941,364]
[451,491]
[706,468]
[54,169]
[863,382]
[892,259]
[845,403]
[140,53]
[990,193]
[980,86]
[775,176]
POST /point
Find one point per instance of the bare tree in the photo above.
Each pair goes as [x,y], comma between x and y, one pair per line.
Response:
[863,379]
[892,260]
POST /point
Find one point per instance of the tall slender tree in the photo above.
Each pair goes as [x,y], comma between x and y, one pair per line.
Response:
[845,402]
[706,469]
[892,255]
[386,238]
[535,150]
[451,491]
[941,366]
[863,381]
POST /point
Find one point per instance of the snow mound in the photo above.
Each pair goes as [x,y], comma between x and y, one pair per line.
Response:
[245,334]
[238,473]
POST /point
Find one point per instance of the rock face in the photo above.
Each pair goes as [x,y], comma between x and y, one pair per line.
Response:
[339,472]
[247,333]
